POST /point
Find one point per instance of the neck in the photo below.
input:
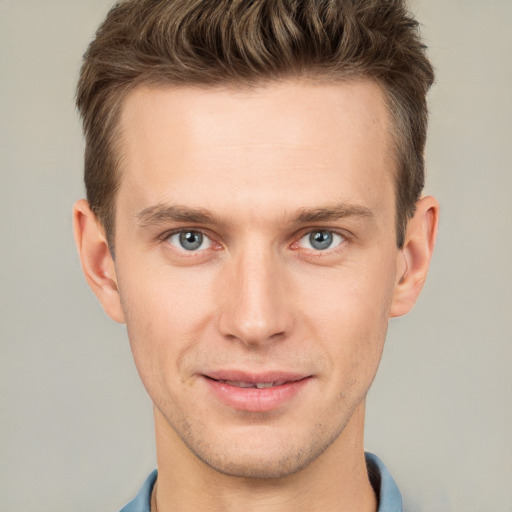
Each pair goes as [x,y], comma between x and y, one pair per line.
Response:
[337,480]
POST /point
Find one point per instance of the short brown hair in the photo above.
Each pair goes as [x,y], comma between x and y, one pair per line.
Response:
[247,42]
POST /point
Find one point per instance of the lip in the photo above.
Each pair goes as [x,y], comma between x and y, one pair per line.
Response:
[251,399]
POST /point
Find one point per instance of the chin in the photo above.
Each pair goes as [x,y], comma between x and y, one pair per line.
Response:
[263,460]
[258,467]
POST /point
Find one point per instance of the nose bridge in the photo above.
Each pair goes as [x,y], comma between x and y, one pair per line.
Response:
[255,310]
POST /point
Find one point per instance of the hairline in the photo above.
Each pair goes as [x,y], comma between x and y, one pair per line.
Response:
[116,138]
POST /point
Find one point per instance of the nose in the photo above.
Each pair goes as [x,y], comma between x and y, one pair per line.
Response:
[256,308]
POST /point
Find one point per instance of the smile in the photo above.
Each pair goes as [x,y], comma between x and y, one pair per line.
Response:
[255,393]
[257,385]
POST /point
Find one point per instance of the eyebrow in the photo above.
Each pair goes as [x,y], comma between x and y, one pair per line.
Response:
[162,213]
[342,211]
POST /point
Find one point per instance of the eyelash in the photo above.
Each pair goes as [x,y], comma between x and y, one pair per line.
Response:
[168,234]
[345,238]
[318,252]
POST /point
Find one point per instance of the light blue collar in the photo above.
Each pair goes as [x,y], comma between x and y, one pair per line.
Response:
[382,482]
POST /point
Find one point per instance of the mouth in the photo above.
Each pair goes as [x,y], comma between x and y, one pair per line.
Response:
[256,393]
[256,385]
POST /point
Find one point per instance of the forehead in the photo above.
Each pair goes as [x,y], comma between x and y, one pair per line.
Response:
[256,146]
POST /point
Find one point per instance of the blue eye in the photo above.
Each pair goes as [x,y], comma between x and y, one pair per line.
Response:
[189,240]
[321,240]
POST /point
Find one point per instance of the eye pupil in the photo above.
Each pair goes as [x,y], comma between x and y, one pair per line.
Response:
[321,240]
[191,240]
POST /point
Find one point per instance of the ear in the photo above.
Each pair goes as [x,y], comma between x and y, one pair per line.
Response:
[97,262]
[414,259]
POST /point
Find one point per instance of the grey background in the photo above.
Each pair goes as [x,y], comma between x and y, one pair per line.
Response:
[76,427]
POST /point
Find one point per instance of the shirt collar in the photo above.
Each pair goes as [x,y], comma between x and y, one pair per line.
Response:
[388,494]
[382,482]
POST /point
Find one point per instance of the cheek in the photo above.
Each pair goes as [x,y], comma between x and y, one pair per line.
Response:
[353,296]
[164,314]
[163,298]
[348,310]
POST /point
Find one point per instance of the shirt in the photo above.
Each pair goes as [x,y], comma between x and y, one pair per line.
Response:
[386,490]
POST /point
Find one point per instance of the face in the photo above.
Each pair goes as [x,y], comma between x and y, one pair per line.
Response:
[256,262]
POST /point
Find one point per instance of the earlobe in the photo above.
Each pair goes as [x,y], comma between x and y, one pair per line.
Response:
[414,259]
[97,263]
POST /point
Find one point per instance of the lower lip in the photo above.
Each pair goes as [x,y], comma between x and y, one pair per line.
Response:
[254,399]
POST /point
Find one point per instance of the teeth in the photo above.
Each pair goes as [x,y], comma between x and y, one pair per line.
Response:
[238,384]
[263,385]
[244,384]
[258,385]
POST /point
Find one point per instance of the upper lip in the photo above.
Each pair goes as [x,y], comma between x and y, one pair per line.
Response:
[254,377]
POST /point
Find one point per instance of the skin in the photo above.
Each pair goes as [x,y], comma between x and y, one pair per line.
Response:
[256,172]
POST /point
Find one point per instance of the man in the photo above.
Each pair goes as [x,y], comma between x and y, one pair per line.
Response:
[254,215]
